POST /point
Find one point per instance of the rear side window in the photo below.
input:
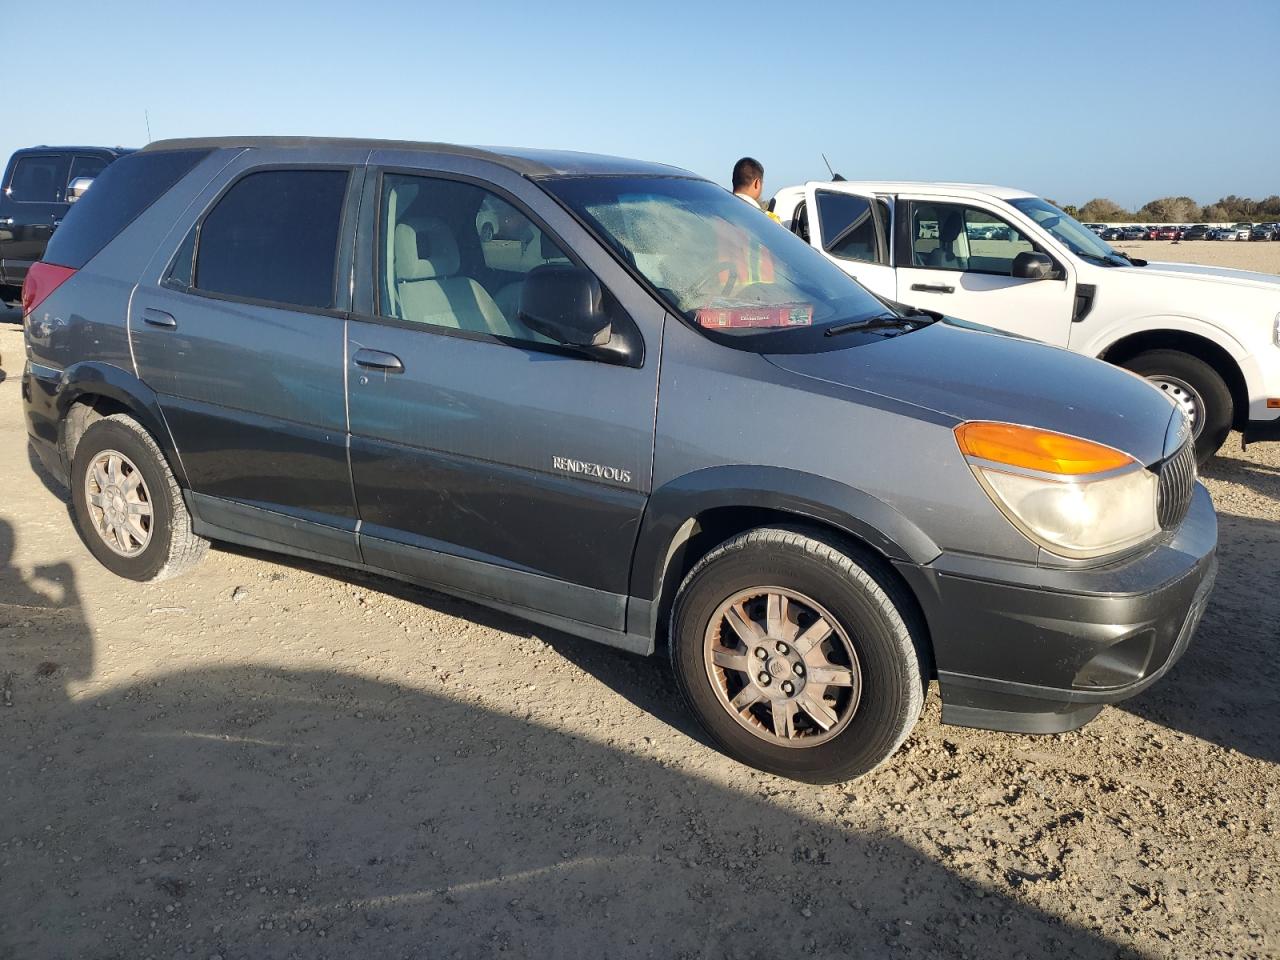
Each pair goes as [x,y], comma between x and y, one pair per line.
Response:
[118,196]
[848,227]
[38,178]
[274,236]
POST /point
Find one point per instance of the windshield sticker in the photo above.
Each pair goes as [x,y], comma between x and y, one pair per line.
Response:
[783,315]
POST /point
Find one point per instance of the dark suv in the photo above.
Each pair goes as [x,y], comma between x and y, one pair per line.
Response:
[39,185]
[639,412]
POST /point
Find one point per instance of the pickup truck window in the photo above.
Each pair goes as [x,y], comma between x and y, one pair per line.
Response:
[38,178]
[848,227]
[86,167]
[1072,234]
[726,268]
[948,236]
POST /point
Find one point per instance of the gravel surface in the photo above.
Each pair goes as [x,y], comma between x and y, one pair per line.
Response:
[273,758]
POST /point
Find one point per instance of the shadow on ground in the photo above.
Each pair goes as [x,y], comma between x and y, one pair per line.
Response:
[271,813]
[1226,688]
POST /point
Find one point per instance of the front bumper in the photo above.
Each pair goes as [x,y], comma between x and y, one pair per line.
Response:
[1032,649]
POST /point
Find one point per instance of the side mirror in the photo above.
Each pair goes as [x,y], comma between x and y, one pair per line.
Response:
[565,303]
[1032,266]
[77,188]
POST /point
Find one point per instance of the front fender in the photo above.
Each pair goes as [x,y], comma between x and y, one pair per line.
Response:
[1100,341]
[804,495]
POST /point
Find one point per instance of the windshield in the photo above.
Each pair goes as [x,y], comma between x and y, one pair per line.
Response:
[1077,238]
[724,266]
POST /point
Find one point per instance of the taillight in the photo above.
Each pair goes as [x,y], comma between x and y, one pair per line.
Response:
[42,280]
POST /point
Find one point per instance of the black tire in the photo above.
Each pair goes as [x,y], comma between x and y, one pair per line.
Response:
[875,611]
[173,546]
[1216,402]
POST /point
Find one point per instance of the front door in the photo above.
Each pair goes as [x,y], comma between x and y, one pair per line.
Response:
[242,338]
[956,257]
[854,229]
[486,458]
[33,203]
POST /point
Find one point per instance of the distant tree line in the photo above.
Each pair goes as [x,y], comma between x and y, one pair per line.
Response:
[1231,209]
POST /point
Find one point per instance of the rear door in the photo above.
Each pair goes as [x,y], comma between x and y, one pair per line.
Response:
[485,458]
[956,256]
[242,337]
[34,200]
[854,228]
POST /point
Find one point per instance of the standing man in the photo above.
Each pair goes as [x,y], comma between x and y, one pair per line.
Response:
[748,181]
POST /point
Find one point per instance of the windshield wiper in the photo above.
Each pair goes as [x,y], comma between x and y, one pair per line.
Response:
[886,321]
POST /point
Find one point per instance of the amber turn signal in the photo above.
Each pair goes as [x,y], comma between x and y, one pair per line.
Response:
[1040,450]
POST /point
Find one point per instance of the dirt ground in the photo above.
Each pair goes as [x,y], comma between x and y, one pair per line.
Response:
[272,758]
[1239,254]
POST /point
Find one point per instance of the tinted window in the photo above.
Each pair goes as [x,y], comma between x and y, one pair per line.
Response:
[274,236]
[947,236]
[86,167]
[848,228]
[456,256]
[179,274]
[38,178]
[118,196]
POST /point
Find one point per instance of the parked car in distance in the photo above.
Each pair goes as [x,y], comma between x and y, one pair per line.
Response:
[1206,336]
[1263,231]
[1097,228]
[1113,233]
[304,345]
[1134,232]
[1197,231]
[1168,232]
[40,184]
[1242,230]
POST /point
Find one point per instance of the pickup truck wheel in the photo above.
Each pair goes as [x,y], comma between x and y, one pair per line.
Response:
[1197,388]
[798,655]
[128,507]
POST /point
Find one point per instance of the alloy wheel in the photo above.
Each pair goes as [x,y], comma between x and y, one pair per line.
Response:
[782,666]
[119,503]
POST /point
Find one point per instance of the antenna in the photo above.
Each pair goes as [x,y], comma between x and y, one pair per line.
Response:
[834,176]
[147,116]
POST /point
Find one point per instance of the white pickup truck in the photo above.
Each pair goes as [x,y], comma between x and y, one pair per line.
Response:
[1209,337]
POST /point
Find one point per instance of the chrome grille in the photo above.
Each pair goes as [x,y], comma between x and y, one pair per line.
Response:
[1177,483]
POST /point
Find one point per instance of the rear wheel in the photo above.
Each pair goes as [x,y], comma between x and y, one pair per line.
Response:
[798,655]
[1197,388]
[128,508]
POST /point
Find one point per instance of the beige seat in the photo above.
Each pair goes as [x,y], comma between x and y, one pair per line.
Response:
[428,288]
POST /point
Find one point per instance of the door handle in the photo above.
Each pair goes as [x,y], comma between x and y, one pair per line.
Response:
[378,360]
[933,288]
[158,318]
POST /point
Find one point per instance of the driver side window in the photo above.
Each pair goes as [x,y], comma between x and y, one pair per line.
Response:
[949,236]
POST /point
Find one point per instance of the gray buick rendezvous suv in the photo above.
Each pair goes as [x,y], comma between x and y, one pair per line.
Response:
[610,397]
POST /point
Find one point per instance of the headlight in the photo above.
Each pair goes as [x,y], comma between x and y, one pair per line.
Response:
[1074,497]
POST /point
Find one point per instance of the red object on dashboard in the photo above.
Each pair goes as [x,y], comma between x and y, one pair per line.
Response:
[784,315]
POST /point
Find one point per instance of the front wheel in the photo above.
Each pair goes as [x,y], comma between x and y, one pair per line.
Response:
[1195,387]
[798,654]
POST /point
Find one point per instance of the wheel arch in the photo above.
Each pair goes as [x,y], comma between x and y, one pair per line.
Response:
[91,391]
[688,517]
[1194,344]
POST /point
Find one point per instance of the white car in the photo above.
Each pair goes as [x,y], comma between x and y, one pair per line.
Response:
[1209,337]
[1242,231]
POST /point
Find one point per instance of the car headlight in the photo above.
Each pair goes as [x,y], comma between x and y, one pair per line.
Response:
[1074,497]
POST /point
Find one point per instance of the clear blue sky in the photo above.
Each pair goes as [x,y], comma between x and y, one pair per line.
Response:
[1131,100]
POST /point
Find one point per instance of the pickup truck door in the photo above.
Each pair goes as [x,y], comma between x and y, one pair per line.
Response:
[32,203]
[955,255]
[854,229]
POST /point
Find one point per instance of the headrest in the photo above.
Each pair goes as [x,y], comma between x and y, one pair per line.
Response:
[432,238]
[952,226]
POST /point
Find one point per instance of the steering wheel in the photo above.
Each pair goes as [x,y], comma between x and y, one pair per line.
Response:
[724,266]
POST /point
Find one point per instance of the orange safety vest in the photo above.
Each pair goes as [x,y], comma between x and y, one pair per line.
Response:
[748,260]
